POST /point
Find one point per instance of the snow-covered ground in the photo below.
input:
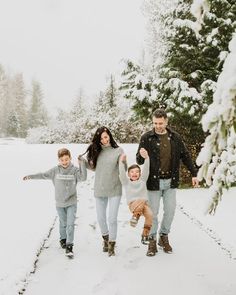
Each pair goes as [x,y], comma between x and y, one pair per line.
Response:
[203,261]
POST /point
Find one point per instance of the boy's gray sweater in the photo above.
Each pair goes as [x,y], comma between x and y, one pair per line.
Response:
[135,189]
[107,182]
[65,181]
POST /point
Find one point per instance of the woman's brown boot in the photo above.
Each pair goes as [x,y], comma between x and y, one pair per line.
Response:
[111,248]
[105,243]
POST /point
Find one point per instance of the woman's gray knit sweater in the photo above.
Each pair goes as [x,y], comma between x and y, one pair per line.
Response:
[107,182]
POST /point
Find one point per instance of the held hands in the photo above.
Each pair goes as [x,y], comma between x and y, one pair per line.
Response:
[143,153]
[123,158]
[80,159]
[26,178]
[195,182]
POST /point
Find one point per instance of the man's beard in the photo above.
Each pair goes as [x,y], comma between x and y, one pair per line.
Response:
[161,130]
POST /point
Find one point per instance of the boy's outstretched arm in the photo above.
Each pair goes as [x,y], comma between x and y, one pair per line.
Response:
[44,175]
[145,171]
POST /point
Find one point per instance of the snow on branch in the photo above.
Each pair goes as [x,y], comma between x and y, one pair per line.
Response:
[218,155]
[198,8]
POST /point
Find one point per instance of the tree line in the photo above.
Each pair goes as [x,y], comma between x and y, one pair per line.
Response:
[20,108]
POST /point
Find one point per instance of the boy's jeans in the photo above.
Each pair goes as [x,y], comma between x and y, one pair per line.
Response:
[169,204]
[67,217]
[101,206]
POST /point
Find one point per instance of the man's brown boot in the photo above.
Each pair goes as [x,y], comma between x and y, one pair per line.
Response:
[152,247]
[164,243]
[105,243]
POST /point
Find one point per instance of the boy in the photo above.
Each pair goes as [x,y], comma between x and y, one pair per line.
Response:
[65,177]
[136,194]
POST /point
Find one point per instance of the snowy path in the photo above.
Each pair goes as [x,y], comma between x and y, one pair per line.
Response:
[197,266]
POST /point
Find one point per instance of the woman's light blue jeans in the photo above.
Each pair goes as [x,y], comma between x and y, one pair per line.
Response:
[168,196]
[67,217]
[109,227]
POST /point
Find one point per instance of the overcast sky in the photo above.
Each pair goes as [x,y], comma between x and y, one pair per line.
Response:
[68,44]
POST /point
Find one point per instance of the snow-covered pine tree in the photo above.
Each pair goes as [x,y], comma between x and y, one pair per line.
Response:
[178,82]
[19,96]
[13,123]
[136,86]
[11,117]
[139,79]
[37,111]
[113,111]
[217,27]
[159,15]
[78,118]
[4,101]
[104,110]
[193,62]
[167,83]
[218,155]
[13,114]
[78,108]
[110,93]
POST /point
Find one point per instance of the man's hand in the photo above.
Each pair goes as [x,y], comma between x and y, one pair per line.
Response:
[26,178]
[143,153]
[195,182]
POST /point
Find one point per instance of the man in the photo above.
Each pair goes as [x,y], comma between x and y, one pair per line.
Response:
[165,148]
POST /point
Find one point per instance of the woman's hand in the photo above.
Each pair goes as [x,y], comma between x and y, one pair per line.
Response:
[80,159]
[123,158]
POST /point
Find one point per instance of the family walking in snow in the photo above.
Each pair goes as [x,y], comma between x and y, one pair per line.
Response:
[160,150]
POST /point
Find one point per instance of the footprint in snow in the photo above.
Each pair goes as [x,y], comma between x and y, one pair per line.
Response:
[133,263]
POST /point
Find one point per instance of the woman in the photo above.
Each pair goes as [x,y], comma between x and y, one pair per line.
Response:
[103,157]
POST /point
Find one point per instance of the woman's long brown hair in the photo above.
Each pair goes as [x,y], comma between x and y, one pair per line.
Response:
[95,148]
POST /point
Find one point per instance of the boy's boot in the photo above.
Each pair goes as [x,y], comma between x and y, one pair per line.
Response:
[63,243]
[134,220]
[164,243]
[69,250]
[105,243]
[144,240]
[152,247]
[146,230]
[111,248]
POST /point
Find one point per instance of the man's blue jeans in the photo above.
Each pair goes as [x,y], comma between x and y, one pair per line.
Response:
[168,196]
[67,217]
